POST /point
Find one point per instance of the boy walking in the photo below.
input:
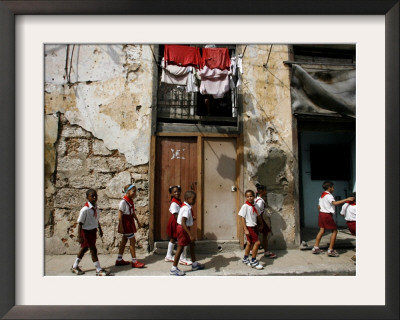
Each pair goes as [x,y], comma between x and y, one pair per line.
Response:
[326,207]
[250,214]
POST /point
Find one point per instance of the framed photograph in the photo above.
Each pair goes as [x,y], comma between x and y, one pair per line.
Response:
[373,26]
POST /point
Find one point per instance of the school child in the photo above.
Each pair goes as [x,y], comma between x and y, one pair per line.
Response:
[185,221]
[326,207]
[266,220]
[127,228]
[250,214]
[349,211]
[175,192]
[88,222]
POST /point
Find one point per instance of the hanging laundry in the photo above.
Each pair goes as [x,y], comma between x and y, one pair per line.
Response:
[214,82]
[192,81]
[174,74]
[216,58]
[183,56]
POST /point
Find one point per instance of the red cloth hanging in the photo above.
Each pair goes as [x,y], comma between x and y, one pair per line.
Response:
[183,56]
[216,58]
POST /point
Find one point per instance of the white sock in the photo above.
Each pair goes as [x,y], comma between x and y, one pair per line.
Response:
[97,265]
[194,263]
[170,249]
[119,257]
[77,260]
[133,259]
[173,268]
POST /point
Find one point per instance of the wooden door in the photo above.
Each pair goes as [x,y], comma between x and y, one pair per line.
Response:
[220,189]
[176,164]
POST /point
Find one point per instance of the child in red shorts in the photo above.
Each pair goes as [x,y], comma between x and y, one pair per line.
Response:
[326,207]
[250,214]
[87,233]
[349,211]
[185,221]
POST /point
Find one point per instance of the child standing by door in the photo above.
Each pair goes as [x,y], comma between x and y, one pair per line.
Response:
[266,220]
[326,206]
[127,228]
[250,215]
[185,221]
[87,233]
[175,192]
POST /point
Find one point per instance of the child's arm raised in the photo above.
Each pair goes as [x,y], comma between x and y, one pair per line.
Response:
[339,202]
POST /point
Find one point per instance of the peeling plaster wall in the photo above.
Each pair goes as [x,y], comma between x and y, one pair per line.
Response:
[267,130]
[98,105]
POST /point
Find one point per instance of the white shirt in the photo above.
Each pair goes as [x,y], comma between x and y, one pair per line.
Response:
[124,207]
[246,212]
[185,211]
[325,203]
[174,208]
[87,218]
[349,212]
[261,204]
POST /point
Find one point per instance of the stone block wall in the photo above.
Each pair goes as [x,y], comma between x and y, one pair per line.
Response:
[82,162]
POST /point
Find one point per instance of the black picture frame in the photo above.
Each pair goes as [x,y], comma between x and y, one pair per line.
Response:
[8,11]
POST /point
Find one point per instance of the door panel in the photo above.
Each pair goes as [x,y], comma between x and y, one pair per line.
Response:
[176,164]
[219,199]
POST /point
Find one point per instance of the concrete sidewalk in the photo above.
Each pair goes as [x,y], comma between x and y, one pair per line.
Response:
[293,262]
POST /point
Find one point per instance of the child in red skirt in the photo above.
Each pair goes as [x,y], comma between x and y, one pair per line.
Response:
[175,192]
[326,206]
[266,220]
[127,228]
[250,214]
[87,233]
[349,211]
[185,238]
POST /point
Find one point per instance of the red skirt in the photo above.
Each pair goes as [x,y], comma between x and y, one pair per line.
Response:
[265,229]
[171,227]
[352,227]
[183,236]
[325,220]
[89,238]
[128,223]
[252,236]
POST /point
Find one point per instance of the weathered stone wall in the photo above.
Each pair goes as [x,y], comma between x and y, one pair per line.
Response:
[268,140]
[98,105]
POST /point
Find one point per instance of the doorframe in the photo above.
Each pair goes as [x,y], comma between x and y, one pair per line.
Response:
[200,178]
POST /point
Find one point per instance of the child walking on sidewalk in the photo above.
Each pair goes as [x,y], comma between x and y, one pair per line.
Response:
[250,215]
[87,233]
[185,238]
[175,192]
[326,207]
[127,228]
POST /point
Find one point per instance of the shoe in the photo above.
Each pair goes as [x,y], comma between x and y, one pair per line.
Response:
[121,262]
[332,253]
[270,255]
[137,264]
[246,261]
[316,250]
[256,264]
[198,266]
[169,259]
[77,270]
[176,272]
[185,262]
[103,272]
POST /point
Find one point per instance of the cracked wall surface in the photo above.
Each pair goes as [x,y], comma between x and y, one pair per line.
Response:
[268,142]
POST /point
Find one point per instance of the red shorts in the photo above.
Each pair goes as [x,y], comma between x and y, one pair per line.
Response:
[325,220]
[265,229]
[89,238]
[183,236]
[352,227]
[128,223]
[171,227]
[252,236]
